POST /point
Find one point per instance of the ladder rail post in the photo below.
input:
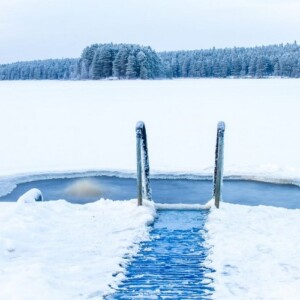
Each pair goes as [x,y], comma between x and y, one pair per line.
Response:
[219,162]
[139,165]
[146,165]
[143,166]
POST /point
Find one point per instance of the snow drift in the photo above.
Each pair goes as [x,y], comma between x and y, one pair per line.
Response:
[57,250]
[255,252]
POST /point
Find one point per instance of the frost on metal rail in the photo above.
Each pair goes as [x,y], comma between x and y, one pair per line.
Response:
[143,169]
[219,157]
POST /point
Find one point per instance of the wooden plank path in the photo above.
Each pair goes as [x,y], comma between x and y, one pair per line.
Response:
[170,265]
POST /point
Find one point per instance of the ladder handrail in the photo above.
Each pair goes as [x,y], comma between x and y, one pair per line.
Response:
[219,161]
[143,167]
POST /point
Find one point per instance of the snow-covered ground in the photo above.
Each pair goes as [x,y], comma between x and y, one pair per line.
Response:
[62,251]
[65,125]
[70,251]
[255,251]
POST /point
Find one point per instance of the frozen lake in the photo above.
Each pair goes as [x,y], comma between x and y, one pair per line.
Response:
[80,125]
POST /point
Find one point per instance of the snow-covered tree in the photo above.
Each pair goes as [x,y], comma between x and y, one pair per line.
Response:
[131,69]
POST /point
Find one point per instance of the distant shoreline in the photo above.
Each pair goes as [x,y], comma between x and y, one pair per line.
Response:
[130,61]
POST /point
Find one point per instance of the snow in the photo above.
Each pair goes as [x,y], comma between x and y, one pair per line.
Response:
[54,129]
[31,196]
[255,251]
[90,125]
[57,250]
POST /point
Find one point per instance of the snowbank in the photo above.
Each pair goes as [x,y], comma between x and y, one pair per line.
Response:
[57,250]
[31,196]
[255,252]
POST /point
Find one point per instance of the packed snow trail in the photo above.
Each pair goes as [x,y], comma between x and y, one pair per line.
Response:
[170,265]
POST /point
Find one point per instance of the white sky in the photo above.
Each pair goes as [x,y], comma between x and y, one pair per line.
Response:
[38,29]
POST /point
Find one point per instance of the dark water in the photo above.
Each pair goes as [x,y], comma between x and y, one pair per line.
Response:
[166,191]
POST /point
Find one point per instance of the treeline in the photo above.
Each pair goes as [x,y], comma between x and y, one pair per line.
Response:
[120,61]
[126,61]
[40,69]
[258,62]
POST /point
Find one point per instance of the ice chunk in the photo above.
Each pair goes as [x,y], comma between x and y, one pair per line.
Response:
[30,196]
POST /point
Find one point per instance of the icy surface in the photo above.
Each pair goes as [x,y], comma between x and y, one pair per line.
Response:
[165,206]
[170,265]
[57,250]
[255,252]
[91,125]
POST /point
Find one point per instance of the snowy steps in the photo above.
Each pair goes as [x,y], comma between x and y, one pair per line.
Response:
[170,265]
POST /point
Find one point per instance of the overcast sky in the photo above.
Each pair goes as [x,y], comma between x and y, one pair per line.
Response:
[38,29]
